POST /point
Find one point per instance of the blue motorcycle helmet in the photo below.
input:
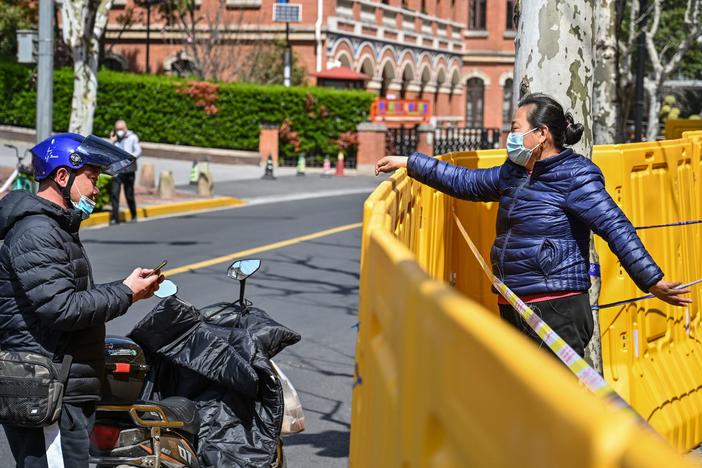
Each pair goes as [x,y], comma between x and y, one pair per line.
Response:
[73,151]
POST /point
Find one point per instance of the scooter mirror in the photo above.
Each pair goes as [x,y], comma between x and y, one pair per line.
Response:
[166,289]
[242,269]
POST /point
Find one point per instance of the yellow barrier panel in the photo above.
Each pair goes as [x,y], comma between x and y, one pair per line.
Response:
[648,356]
[674,128]
[651,351]
[441,382]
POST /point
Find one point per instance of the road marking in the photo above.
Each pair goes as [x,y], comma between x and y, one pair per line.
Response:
[263,248]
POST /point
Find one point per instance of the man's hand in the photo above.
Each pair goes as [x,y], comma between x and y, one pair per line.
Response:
[668,292]
[390,164]
[142,285]
[113,137]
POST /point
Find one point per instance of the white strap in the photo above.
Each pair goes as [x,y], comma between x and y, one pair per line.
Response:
[52,442]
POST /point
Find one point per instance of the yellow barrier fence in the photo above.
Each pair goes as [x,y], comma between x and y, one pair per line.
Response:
[674,128]
[442,382]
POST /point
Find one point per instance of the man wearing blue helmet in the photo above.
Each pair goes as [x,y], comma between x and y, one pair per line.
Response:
[49,303]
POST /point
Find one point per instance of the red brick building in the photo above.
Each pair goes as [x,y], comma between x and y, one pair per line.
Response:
[459,54]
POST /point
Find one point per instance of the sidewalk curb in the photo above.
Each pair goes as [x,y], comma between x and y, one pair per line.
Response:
[165,209]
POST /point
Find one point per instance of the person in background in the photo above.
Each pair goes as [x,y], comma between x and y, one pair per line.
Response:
[128,141]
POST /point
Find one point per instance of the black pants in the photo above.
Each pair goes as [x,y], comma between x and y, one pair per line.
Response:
[64,444]
[570,317]
[126,179]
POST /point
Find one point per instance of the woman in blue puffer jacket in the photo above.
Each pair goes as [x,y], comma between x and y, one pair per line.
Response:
[550,199]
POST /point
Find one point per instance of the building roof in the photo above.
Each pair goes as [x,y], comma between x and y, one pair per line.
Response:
[341,73]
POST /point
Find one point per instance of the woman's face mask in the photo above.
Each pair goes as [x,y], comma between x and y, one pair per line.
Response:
[516,151]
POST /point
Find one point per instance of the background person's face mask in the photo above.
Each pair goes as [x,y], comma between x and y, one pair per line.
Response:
[120,134]
[516,151]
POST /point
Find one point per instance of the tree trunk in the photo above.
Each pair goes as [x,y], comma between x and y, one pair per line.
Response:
[654,107]
[606,109]
[555,55]
[593,350]
[605,104]
[83,24]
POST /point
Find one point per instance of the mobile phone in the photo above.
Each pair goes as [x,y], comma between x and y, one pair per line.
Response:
[158,268]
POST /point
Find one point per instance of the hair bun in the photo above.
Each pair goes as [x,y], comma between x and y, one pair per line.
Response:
[569,119]
[573,132]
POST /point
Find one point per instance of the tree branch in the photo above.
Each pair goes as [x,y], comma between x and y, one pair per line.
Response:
[650,45]
[656,18]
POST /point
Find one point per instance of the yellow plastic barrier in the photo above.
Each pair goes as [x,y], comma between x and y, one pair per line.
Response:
[442,382]
[413,331]
[674,128]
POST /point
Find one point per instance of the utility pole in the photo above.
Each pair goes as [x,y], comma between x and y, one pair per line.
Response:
[284,12]
[45,70]
[148,36]
[640,71]
[287,57]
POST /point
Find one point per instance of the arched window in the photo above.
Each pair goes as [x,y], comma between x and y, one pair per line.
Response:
[475,98]
[344,60]
[367,68]
[386,79]
[507,108]
[407,77]
[426,76]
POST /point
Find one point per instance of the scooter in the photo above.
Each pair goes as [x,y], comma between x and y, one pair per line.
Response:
[130,431]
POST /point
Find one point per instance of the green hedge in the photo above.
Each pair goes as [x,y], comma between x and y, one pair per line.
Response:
[154,109]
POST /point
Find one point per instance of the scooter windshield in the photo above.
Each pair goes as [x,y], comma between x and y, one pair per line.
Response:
[98,152]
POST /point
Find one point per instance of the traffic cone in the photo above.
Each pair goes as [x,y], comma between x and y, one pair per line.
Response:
[301,165]
[339,164]
[326,168]
[268,175]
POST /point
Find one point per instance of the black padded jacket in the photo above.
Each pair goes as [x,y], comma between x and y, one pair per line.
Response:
[48,301]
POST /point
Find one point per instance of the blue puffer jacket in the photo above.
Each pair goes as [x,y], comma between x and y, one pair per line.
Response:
[544,220]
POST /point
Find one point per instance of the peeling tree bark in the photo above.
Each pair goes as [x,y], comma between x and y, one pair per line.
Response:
[83,23]
[555,55]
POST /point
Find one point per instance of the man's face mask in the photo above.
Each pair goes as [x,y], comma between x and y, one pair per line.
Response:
[120,134]
[85,205]
[516,152]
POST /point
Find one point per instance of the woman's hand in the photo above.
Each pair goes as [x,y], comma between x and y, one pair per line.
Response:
[390,164]
[669,292]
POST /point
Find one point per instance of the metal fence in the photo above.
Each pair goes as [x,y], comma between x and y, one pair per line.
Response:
[401,141]
[448,140]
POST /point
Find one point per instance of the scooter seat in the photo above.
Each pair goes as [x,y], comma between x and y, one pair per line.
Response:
[180,409]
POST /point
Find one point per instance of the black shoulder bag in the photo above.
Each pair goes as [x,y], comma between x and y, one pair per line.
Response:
[31,388]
